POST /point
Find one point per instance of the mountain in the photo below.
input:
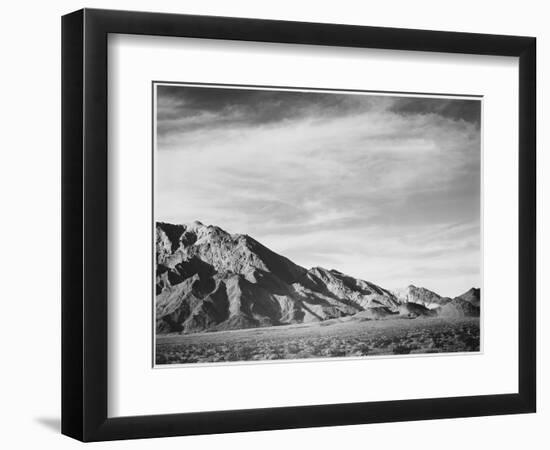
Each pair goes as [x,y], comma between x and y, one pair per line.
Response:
[465,305]
[421,296]
[472,296]
[208,279]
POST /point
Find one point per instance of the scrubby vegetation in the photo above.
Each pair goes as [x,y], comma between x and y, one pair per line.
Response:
[329,339]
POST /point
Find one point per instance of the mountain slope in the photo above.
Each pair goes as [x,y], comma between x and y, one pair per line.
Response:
[465,305]
[472,296]
[208,279]
[420,296]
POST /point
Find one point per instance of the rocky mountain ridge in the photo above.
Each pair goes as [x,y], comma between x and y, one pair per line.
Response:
[421,296]
[208,279]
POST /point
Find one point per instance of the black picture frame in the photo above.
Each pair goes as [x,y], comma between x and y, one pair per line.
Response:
[84,224]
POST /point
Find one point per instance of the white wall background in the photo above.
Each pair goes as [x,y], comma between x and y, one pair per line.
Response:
[30,229]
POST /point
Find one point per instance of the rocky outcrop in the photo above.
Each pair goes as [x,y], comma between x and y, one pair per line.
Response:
[420,296]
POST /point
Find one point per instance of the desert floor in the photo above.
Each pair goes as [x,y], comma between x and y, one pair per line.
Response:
[347,337]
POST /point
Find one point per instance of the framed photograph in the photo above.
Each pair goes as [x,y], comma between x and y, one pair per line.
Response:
[273,224]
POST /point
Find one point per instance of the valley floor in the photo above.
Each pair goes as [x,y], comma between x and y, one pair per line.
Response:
[346,337]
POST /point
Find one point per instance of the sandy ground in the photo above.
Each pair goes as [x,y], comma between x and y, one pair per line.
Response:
[332,338]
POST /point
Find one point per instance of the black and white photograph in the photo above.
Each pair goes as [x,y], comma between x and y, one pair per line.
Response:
[274,225]
[299,224]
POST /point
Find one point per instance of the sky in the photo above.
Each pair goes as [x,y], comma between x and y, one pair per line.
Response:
[385,188]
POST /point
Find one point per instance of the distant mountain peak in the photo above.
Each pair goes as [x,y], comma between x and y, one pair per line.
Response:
[471,296]
[421,296]
[472,290]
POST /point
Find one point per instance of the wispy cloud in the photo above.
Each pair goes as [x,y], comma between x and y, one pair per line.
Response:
[384,188]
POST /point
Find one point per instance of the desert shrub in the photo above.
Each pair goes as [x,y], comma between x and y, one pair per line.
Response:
[337,351]
[232,356]
[402,350]
[161,358]
[245,352]
[363,348]
[293,348]
[471,343]
[315,349]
